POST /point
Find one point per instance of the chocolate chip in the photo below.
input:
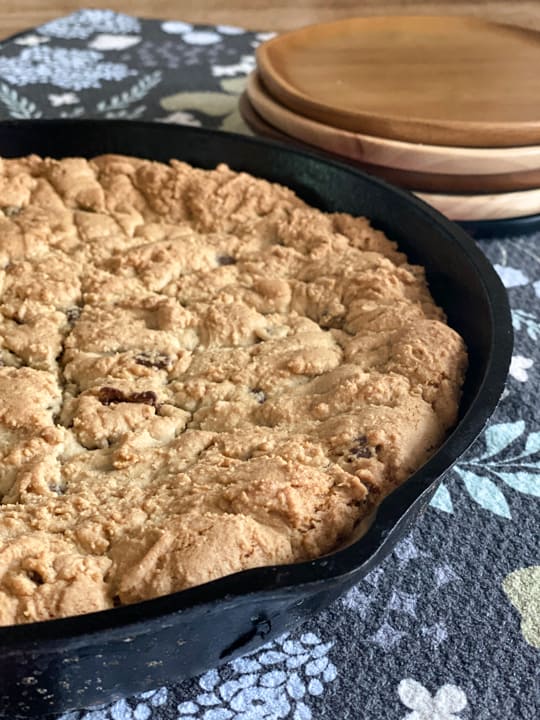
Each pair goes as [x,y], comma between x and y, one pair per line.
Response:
[116,601]
[361,448]
[110,395]
[259,394]
[35,577]
[148,397]
[159,361]
[73,314]
[11,210]
[226,260]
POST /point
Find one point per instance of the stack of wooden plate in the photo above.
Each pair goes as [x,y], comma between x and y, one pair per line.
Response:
[448,107]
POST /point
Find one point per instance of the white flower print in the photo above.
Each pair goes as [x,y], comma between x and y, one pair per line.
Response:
[141,707]
[31,40]
[67,68]
[201,37]
[106,41]
[448,701]
[274,682]
[63,99]
[84,23]
[230,30]
[263,36]
[243,67]
[519,366]
[172,27]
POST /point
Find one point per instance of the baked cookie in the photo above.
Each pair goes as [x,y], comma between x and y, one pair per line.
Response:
[199,374]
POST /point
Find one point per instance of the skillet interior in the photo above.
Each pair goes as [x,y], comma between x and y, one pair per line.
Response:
[63,664]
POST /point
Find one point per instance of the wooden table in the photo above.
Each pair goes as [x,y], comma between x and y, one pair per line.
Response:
[17,15]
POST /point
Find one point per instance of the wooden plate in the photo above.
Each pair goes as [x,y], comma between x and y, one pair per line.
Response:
[392,153]
[485,207]
[456,207]
[434,79]
[409,179]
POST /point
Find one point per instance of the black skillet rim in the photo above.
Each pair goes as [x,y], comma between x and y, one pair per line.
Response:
[139,617]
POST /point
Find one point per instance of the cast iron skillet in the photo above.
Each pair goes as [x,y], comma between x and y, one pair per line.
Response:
[59,665]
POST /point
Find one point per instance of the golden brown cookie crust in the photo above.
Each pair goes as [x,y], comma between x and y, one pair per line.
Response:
[199,374]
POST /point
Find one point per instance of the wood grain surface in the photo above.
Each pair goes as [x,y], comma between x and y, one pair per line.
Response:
[410,180]
[391,153]
[430,79]
[485,207]
[18,15]
[461,207]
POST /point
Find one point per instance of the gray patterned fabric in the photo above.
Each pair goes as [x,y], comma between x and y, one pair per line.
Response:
[448,627]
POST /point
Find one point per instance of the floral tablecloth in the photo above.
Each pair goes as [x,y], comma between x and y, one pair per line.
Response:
[448,628]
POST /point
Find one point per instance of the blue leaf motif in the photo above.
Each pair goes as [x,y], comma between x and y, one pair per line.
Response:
[274,678]
[208,699]
[309,639]
[500,436]
[315,687]
[316,667]
[160,697]
[296,661]
[523,482]
[295,687]
[293,647]
[156,697]
[141,712]
[231,687]
[321,650]
[442,500]
[330,673]
[274,692]
[485,493]
[120,711]
[263,700]
[533,443]
[245,665]
[209,680]
[218,714]
[302,712]
[187,708]
[272,657]
[536,286]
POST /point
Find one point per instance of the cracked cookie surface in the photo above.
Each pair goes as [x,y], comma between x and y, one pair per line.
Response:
[199,374]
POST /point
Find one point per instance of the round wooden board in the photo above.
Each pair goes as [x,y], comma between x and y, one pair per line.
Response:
[392,153]
[442,80]
[498,206]
[410,179]
[456,207]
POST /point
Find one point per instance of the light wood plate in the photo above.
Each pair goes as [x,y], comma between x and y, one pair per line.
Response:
[494,206]
[443,80]
[392,153]
[500,206]
[411,180]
